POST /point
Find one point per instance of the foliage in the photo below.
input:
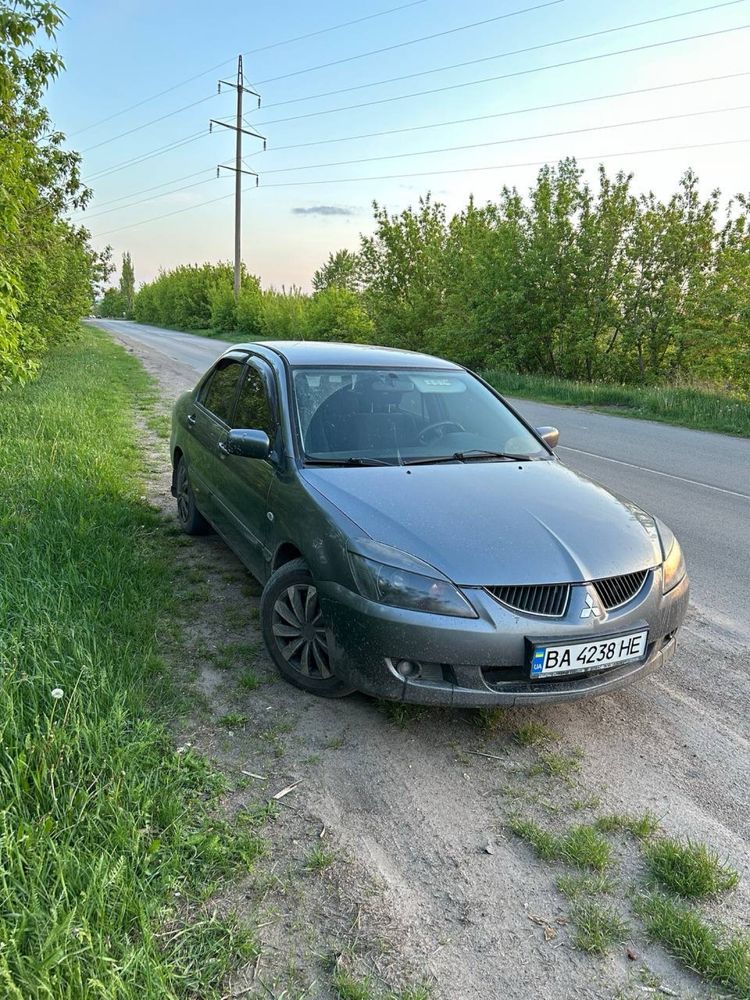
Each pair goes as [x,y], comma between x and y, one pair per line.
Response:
[127,284]
[336,313]
[339,271]
[112,304]
[105,839]
[47,269]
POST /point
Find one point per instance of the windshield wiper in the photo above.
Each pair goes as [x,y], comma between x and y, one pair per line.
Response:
[474,454]
[342,462]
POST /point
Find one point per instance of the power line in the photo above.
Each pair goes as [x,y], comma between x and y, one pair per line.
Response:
[503,55]
[507,76]
[503,142]
[134,161]
[422,38]
[514,111]
[418,128]
[431,173]
[153,121]
[262,48]
[153,197]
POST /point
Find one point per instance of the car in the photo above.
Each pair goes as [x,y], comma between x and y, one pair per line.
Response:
[416,538]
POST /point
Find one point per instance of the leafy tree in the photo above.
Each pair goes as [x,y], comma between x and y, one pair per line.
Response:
[339,271]
[112,305]
[337,313]
[127,283]
[46,265]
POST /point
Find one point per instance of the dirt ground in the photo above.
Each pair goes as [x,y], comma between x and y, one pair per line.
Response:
[392,857]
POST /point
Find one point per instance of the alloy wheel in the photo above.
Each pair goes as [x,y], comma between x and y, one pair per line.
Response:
[183,493]
[300,632]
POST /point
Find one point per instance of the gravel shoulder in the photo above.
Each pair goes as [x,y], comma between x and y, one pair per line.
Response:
[427,884]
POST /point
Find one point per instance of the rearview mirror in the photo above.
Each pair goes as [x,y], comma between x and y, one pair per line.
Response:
[248,444]
[550,435]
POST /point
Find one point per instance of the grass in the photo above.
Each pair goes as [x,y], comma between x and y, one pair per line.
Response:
[559,764]
[531,734]
[686,407]
[349,987]
[641,827]
[689,869]
[581,845]
[319,858]
[232,720]
[598,928]
[250,680]
[721,956]
[102,822]
[576,886]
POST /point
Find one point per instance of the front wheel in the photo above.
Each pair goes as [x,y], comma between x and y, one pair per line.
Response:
[295,633]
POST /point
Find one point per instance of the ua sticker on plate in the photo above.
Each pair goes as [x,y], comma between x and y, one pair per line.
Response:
[575,657]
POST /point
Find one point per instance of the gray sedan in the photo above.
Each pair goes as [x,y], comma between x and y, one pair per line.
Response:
[416,538]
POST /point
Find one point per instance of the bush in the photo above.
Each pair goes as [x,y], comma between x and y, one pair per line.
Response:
[337,313]
[282,315]
[249,309]
[223,308]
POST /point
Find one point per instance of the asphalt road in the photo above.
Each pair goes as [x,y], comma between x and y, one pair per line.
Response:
[698,483]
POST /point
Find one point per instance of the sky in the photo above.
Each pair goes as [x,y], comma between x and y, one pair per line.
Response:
[374,111]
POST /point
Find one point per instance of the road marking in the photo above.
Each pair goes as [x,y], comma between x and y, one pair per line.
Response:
[655,472]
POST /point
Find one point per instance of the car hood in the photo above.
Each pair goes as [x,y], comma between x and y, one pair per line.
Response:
[494,523]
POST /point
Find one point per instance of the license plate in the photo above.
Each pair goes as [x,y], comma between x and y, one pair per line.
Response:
[579,656]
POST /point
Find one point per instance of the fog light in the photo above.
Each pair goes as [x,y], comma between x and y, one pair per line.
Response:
[408,668]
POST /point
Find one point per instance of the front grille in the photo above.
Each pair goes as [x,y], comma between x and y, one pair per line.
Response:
[547,600]
[618,590]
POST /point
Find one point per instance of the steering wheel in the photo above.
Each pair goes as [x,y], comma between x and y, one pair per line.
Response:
[441,426]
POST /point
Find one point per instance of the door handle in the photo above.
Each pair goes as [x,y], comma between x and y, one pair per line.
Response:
[191,418]
[223,449]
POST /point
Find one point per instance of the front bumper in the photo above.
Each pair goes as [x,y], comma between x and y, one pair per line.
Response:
[486,660]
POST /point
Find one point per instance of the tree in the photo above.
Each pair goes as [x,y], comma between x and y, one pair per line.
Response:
[112,304]
[127,283]
[339,271]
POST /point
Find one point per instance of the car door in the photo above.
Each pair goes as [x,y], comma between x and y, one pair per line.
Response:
[209,423]
[245,482]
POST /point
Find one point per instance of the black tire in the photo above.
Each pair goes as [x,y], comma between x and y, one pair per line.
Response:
[191,520]
[294,631]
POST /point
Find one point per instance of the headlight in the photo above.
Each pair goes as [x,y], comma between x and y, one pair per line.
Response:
[673,568]
[401,588]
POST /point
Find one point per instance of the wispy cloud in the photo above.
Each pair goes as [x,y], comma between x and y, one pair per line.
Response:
[323,210]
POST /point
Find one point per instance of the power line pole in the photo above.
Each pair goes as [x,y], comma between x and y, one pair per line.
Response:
[241,89]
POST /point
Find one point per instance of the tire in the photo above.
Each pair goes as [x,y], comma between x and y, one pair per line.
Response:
[191,520]
[294,631]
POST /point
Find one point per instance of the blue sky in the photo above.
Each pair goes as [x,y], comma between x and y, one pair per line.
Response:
[121,54]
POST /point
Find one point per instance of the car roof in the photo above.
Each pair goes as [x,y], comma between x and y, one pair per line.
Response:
[312,352]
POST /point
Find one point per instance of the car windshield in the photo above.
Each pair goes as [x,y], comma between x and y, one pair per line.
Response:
[366,416]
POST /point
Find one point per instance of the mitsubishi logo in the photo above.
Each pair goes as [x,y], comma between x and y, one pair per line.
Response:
[590,610]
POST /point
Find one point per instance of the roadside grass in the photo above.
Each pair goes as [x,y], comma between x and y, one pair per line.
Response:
[581,845]
[319,858]
[686,407]
[641,827]
[250,681]
[349,987]
[598,927]
[719,955]
[688,869]
[576,886]
[530,734]
[559,764]
[107,843]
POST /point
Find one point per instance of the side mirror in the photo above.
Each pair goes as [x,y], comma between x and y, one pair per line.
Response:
[248,444]
[550,435]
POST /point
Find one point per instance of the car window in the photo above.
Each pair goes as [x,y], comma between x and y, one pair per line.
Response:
[218,396]
[403,414]
[253,407]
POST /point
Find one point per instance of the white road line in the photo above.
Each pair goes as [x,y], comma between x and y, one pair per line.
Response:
[655,472]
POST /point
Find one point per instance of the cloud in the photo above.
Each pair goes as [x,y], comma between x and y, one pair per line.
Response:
[323,210]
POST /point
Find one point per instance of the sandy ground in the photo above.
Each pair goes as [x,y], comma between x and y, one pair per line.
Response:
[427,883]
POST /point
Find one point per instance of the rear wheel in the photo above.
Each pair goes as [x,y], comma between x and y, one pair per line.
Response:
[191,520]
[295,632]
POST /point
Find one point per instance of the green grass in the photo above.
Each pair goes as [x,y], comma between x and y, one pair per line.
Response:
[102,823]
[559,764]
[577,886]
[531,734]
[250,680]
[349,987]
[721,956]
[598,928]
[641,827]
[581,845]
[688,868]
[686,407]
[319,858]
[233,720]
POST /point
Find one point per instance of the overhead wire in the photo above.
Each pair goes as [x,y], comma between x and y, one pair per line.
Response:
[430,173]
[261,48]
